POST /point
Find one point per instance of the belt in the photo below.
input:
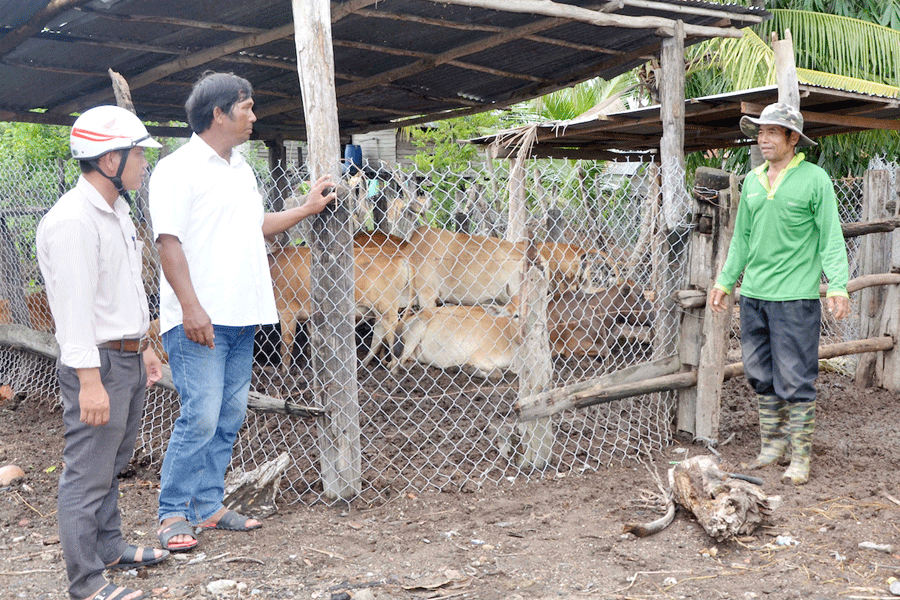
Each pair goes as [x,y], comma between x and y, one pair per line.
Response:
[136,346]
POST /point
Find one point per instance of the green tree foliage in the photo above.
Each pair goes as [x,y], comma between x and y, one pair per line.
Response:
[33,142]
[442,151]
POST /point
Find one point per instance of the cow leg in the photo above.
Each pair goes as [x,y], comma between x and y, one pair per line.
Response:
[408,337]
[288,323]
[378,335]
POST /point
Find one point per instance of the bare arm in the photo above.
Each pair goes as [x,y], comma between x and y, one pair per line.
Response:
[197,324]
[316,200]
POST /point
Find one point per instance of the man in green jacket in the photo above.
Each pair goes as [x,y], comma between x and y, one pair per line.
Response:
[787,232]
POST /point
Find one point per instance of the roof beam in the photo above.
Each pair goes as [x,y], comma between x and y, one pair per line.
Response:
[36,23]
[66,38]
[186,23]
[207,55]
[378,14]
[182,64]
[437,59]
[691,10]
[423,65]
[549,8]
[428,56]
[833,119]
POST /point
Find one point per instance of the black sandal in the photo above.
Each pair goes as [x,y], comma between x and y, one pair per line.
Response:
[131,560]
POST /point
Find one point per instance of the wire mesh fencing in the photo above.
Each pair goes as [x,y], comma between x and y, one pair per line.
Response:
[440,299]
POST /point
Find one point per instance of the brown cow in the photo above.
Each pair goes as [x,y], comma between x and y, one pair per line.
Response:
[38,311]
[457,268]
[382,290]
[585,324]
[573,267]
[473,338]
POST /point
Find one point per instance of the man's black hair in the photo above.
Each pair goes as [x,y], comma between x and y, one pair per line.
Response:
[222,90]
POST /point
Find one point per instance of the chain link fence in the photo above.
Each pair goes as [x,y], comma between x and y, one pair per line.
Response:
[438,334]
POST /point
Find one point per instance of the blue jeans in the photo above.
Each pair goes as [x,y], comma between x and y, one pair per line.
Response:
[213,386]
[780,347]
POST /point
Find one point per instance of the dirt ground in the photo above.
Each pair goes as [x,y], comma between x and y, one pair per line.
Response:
[545,538]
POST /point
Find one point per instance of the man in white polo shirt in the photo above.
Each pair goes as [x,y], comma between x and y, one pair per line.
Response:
[209,223]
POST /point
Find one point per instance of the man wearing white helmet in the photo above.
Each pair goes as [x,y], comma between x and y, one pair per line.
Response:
[90,258]
[787,233]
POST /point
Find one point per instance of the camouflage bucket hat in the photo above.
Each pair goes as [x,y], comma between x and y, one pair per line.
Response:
[777,114]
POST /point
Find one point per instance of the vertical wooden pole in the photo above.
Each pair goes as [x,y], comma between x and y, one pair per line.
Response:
[870,370]
[518,216]
[671,144]
[674,200]
[533,363]
[333,340]
[891,320]
[786,70]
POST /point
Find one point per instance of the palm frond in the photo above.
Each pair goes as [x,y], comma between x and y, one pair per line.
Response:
[849,84]
[840,45]
[747,61]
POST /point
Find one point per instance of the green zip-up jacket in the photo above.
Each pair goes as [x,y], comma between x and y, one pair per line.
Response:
[786,235]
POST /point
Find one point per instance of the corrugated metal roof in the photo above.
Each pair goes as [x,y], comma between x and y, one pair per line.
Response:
[394,59]
[710,122]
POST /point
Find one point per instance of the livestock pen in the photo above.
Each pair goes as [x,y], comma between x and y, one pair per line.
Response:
[433,423]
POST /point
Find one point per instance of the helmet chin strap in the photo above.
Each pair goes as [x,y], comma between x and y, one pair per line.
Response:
[117,178]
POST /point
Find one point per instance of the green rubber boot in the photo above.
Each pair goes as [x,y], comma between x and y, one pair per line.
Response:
[802,423]
[773,431]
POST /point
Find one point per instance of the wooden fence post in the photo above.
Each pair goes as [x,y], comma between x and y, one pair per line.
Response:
[333,341]
[879,307]
[703,332]
[671,232]
[534,363]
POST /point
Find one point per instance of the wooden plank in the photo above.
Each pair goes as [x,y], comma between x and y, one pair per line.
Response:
[885,225]
[838,120]
[674,202]
[594,17]
[873,259]
[545,404]
[332,268]
[677,381]
[716,325]
[518,212]
[696,298]
[690,10]
[877,344]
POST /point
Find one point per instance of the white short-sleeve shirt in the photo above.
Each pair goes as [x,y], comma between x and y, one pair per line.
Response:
[214,208]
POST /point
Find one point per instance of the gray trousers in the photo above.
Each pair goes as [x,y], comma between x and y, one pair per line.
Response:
[780,347]
[88,509]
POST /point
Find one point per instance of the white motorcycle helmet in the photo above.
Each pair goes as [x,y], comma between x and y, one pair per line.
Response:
[104,129]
